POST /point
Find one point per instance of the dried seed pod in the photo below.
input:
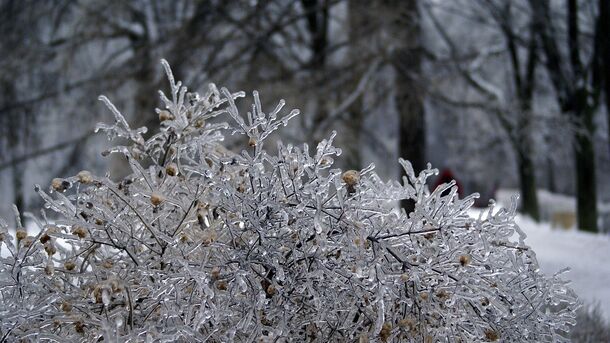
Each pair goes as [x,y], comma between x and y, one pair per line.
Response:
[66,306]
[386,331]
[351,179]
[199,123]
[165,115]
[21,234]
[407,324]
[171,169]
[44,238]
[69,265]
[79,231]
[84,177]
[59,185]
[491,335]
[464,260]
[221,285]
[184,238]
[215,273]
[50,249]
[156,199]
[79,327]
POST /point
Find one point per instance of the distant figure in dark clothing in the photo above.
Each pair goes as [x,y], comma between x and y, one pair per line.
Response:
[447,176]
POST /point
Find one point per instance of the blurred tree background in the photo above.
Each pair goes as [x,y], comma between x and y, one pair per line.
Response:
[504,94]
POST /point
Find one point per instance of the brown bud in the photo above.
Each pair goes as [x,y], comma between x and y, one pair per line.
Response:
[351,179]
[50,249]
[199,123]
[221,285]
[407,324]
[84,177]
[156,199]
[58,185]
[271,290]
[442,294]
[69,265]
[491,335]
[97,294]
[21,234]
[386,331]
[165,115]
[79,231]
[66,306]
[171,169]
[215,273]
[252,142]
[44,238]
[464,260]
[79,327]
[184,238]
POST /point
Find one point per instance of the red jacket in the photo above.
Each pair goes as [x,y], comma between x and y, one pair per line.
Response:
[445,177]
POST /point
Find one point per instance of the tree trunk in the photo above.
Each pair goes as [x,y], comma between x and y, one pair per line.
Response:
[406,60]
[604,59]
[578,95]
[350,139]
[527,183]
[586,192]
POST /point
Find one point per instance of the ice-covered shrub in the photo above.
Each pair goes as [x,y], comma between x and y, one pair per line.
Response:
[591,326]
[202,244]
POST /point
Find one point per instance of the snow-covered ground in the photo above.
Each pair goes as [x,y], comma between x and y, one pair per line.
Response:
[586,254]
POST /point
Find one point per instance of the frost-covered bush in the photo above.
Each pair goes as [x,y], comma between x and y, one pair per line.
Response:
[202,244]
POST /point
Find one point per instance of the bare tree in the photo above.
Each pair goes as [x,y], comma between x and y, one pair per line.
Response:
[509,99]
[577,78]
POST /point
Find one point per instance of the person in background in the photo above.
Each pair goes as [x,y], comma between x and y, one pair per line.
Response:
[445,177]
